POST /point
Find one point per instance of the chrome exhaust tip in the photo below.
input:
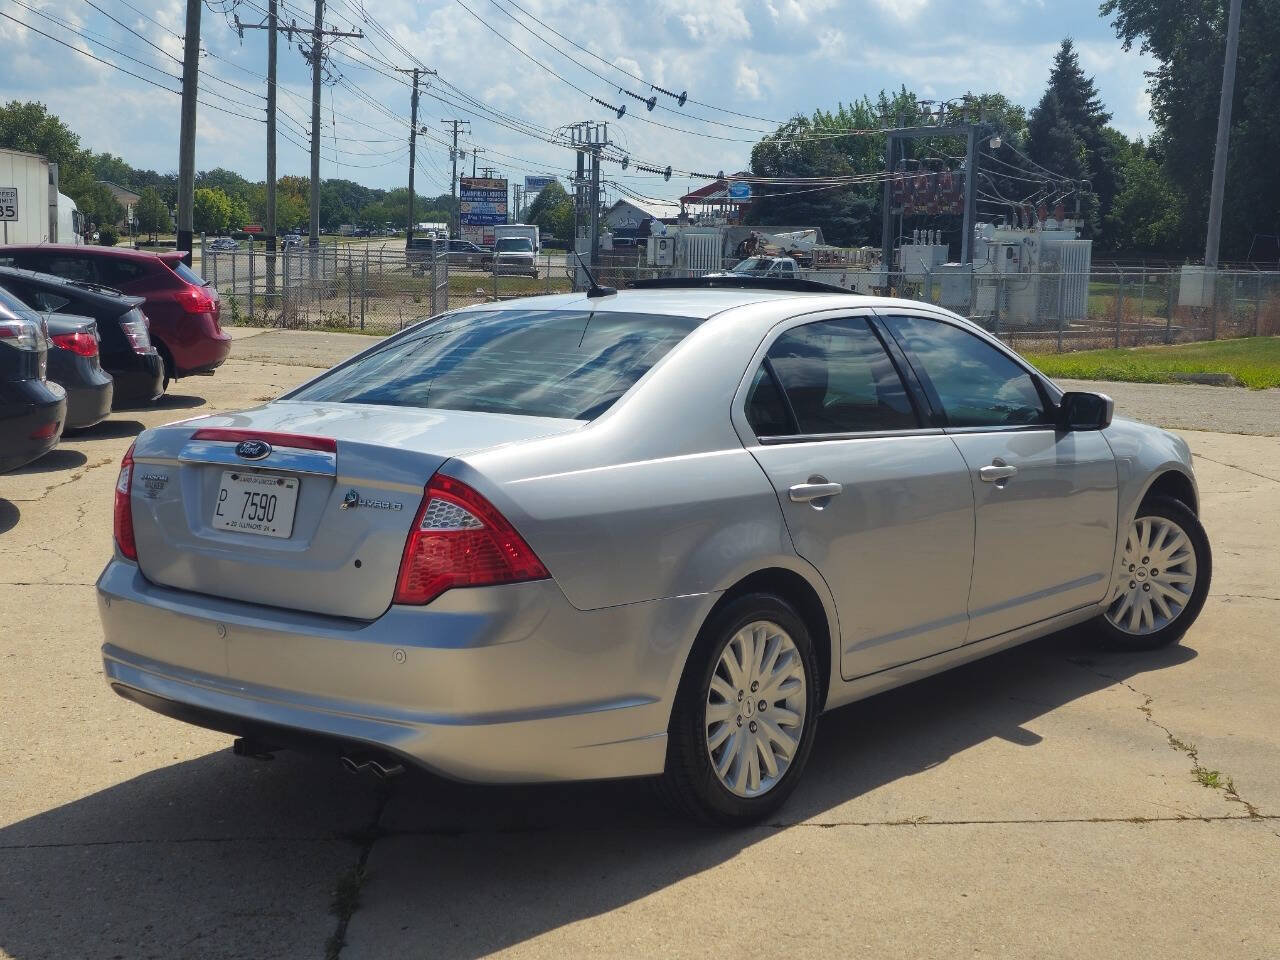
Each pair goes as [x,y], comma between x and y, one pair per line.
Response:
[364,762]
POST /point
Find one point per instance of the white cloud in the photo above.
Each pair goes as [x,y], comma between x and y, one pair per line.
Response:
[902,10]
[747,81]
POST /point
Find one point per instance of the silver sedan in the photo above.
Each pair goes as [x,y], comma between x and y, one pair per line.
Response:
[655,532]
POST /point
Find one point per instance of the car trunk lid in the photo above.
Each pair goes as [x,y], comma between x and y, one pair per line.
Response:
[347,481]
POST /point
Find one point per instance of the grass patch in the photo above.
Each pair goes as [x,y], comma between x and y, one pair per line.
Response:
[1254,361]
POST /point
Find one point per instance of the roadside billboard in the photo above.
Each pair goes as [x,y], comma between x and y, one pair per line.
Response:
[482,204]
[535,185]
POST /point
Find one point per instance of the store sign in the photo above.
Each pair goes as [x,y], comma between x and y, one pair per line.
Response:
[482,201]
[739,190]
[534,185]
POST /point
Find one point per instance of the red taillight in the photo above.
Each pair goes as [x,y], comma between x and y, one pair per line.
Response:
[124,509]
[85,344]
[45,431]
[194,299]
[459,539]
[297,441]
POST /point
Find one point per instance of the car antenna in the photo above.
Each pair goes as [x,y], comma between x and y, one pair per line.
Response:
[595,290]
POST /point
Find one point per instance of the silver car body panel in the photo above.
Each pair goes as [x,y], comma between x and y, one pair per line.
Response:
[644,517]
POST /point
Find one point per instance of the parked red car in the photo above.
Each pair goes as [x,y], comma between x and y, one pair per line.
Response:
[182,307]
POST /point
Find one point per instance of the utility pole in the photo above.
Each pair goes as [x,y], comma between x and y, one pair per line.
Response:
[413,144]
[474,151]
[271,151]
[453,177]
[187,135]
[269,220]
[591,138]
[316,67]
[1224,134]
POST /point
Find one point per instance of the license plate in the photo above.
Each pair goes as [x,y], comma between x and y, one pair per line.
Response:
[260,503]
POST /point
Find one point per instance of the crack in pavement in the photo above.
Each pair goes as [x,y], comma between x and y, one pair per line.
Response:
[346,893]
[365,839]
[1240,596]
[62,483]
[1223,463]
[1209,778]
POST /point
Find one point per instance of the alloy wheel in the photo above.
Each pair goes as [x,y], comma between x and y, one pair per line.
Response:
[755,709]
[1157,577]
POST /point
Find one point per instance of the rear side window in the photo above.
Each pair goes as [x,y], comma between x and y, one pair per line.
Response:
[537,363]
[186,273]
[972,382]
[118,272]
[837,379]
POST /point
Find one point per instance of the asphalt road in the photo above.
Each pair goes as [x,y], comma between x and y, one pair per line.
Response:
[1042,802]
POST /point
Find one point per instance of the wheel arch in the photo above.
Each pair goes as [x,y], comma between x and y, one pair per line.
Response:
[817,613]
[1176,484]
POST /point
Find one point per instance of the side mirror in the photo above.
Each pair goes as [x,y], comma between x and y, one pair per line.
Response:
[1085,411]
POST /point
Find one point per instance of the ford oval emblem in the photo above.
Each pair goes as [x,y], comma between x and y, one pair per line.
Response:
[253,449]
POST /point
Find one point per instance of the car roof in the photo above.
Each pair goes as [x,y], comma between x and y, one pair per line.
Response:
[77,288]
[704,303]
[120,253]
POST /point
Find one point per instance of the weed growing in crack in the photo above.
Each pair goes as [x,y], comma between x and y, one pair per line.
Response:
[1208,778]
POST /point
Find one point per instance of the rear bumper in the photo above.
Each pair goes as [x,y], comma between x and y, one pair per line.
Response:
[28,407]
[139,378]
[500,684]
[203,355]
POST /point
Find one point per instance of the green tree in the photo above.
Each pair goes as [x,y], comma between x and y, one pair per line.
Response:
[552,211]
[1188,40]
[1066,132]
[211,212]
[153,215]
[1146,215]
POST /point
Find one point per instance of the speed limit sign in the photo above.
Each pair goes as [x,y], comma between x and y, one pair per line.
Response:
[8,203]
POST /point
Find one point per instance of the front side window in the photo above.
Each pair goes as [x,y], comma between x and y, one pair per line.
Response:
[837,378]
[973,383]
[67,267]
[538,363]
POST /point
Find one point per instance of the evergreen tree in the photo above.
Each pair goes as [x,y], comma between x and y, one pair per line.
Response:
[1071,106]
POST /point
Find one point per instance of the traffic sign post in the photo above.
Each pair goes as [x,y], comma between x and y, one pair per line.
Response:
[8,207]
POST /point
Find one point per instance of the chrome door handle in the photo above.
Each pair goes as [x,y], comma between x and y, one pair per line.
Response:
[997,472]
[808,492]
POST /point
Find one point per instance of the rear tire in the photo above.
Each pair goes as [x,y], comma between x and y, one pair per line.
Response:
[730,760]
[170,371]
[1164,572]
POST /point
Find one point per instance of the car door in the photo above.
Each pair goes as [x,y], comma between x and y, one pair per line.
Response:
[878,504]
[1045,498]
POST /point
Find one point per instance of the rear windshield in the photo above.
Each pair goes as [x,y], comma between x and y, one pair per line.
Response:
[11,306]
[185,272]
[538,363]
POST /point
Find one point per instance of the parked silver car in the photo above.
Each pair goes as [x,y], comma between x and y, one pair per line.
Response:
[650,532]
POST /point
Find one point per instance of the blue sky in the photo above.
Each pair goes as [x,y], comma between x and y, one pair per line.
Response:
[764,58]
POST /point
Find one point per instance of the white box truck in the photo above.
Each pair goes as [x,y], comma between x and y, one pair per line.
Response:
[527,230]
[31,208]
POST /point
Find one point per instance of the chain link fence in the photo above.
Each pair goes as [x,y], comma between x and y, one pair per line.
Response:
[382,288]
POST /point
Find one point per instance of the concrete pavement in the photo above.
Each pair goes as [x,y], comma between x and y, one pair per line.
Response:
[1045,802]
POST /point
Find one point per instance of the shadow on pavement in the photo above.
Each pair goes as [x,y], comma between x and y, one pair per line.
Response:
[59,458]
[178,401]
[106,430]
[186,847]
[9,515]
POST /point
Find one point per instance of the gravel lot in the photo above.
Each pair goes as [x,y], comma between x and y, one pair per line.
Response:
[1042,802]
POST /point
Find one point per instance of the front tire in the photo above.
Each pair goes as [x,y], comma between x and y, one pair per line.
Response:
[745,713]
[1163,578]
